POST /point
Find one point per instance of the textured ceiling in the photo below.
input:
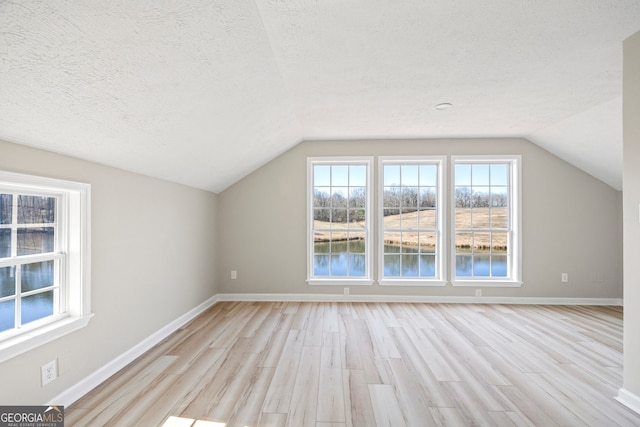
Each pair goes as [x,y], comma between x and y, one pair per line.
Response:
[202,92]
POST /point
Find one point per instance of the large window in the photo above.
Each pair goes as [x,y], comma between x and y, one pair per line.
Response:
[411,220]
[339,220]
[485,240]
[44,260]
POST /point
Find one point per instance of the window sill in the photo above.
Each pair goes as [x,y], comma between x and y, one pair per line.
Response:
[340,281]
[411,282]
[14,346]
[488,283]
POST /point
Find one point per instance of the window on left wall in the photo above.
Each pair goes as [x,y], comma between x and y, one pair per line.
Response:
[44,260]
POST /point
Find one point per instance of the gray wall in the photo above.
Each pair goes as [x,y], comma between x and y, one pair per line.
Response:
[153,247]
[631,187]
[571,223]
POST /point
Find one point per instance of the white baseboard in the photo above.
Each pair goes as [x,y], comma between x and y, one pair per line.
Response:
[629,400]
[420,298]
[81,388]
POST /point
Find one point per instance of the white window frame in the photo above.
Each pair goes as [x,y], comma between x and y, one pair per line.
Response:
[73,254]
[441,252]
[514,254]
[340,280]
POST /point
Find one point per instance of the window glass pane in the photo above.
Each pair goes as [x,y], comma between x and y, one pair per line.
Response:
[481,243]
[481,265]
[464,265]
[391,218]
[391,197]
[357,175]
[5,243]
[427,243]
[410,265]
[410,197]
[480,217]
[7,315]
[499,174]
[391,175]
[428,175]
[321,197]
[7,281]
[37,275]
[499,265]
[499,243]
[428,197]
[409,175]
[357,197]
[357,265]
[464,242]
[322,175]
[410,242]
[409,218]
[322,215]
[392,265]
[480,174]
[339,263]
[37,306]
[356,218]
[6,208]
[392,242]
[427,265]
[321,262]
[36,209]
[340,176]
[463,175]
[499,197]
[463,218]
[35,240]
[355,244]
[480,197]
[427,219]
[463,197]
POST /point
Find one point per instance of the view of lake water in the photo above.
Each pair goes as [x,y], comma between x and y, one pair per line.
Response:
[34,276]
[348,259]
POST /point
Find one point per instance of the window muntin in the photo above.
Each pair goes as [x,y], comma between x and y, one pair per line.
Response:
[411,218]
[339,219]
[486,224]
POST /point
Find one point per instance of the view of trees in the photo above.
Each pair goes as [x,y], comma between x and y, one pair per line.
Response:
[407,199]
[466,198]
[338,206]
[31,209]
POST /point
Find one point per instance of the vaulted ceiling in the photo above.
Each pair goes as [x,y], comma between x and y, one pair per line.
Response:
[202,92]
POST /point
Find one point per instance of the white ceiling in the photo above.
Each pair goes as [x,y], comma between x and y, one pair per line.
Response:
[202,92]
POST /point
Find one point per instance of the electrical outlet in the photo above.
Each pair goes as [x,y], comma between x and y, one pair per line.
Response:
[478,292]
[234,275]
[49,372]
[564,277]
[346,291]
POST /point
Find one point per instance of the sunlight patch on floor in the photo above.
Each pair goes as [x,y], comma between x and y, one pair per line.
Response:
[190,422]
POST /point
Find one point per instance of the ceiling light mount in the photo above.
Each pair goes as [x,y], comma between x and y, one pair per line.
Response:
[443,106]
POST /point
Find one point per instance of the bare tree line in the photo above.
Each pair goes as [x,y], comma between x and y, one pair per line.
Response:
[467,198]
[341,208]
[31,209]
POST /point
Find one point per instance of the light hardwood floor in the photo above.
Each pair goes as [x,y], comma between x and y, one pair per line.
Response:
[373,364]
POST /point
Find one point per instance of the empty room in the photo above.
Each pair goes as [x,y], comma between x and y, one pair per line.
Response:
[315,213]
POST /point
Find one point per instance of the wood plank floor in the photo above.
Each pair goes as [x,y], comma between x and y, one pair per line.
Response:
[372,364]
